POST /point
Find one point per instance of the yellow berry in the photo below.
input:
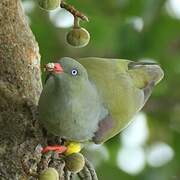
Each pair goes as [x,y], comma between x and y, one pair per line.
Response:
[75,162]
[49,4]
[49,174]
[78,37]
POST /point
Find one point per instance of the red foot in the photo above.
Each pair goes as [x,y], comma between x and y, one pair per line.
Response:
[57,148]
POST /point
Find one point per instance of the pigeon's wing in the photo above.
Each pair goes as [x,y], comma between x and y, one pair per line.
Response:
[123,87]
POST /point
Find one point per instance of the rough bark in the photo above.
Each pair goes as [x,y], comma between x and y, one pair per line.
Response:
[20,87]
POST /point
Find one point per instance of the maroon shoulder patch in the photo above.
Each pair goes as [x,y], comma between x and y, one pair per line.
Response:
[105,126]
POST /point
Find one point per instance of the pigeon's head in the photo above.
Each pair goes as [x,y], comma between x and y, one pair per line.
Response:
[68,69]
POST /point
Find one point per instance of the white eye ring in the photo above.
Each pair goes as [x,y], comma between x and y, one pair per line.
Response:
[74,72]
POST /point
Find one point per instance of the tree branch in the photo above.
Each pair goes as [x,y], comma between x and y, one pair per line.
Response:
[20,87]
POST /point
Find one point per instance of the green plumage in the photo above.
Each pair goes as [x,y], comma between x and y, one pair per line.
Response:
[100,101]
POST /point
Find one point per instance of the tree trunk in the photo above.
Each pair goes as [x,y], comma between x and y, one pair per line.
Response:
[20,87]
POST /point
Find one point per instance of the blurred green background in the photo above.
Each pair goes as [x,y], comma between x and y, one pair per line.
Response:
[131,29]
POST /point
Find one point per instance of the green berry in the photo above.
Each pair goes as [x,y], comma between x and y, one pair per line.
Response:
[49,174]
[75,162]
[49,4]
[78,37]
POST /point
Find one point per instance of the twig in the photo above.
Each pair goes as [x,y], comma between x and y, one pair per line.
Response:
[73,11]
[44,163]
[91,169]
[67,174]
[85,174]
[26,168]
[88,172]
[34,164]
[72,176]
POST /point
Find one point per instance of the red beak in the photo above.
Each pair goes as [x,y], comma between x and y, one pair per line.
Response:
[58,68]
